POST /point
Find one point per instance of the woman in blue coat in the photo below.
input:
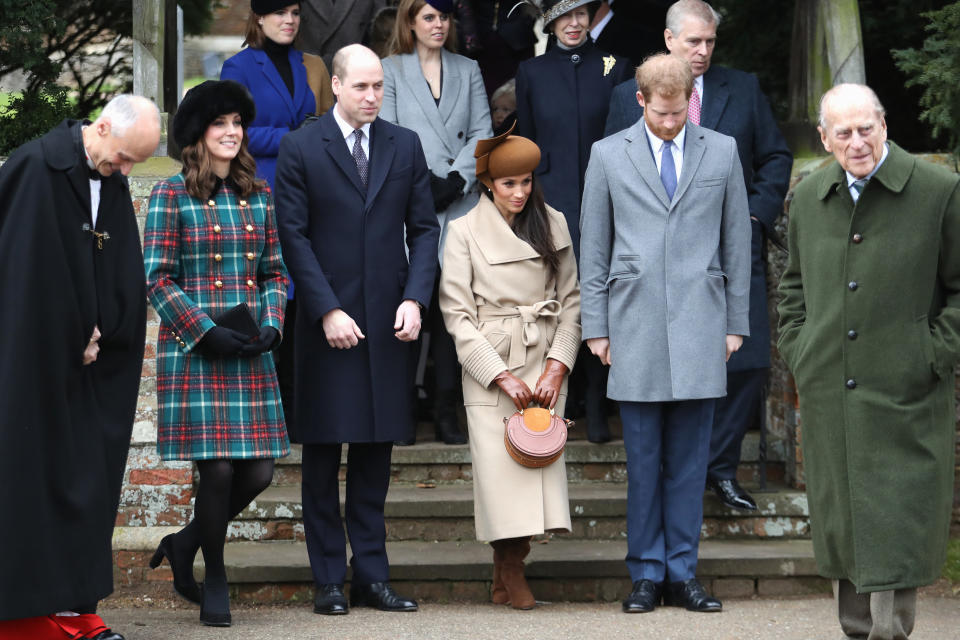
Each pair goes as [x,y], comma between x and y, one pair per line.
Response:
[438,94]
[563,97]
[276,75]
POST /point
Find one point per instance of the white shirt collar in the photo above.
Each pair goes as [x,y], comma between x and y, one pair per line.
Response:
[851,178]
[698,83]
[345,127]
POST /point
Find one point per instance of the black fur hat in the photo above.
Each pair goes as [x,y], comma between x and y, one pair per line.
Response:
[263,7]
[205,103]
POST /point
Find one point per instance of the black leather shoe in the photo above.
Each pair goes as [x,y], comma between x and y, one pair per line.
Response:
[644,598]
[690,595]
[108,635]
[379,595]
[406,442]
[329,600]
[732,494]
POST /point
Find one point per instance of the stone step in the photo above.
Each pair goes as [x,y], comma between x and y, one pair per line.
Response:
[559,570]
[598,512]
[586,462]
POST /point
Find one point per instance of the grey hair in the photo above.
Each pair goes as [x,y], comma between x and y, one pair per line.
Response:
[124,110]
[682,9]
[848,90]
[508,87]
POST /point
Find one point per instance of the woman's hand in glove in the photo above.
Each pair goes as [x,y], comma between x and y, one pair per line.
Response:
[515,389]
[548,385]
[261,344]
[221,342]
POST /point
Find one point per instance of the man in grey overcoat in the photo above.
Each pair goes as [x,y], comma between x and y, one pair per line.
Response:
[665,281]
[870,328]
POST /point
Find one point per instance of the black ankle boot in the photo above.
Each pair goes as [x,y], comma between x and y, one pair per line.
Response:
[445,418]
[215,605]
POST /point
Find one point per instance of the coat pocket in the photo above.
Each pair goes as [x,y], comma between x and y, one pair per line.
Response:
[926,342]
[710,182]
[625,266]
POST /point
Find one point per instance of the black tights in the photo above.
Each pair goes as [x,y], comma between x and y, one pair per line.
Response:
[226,488]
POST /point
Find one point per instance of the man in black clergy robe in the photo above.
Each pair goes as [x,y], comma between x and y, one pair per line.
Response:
[73,317]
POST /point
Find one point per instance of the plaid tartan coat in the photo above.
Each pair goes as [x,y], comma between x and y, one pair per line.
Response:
[202,258]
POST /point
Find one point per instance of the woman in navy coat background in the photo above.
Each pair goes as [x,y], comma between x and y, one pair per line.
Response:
[562,101]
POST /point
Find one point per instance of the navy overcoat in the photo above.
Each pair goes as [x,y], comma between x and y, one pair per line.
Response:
[344,246]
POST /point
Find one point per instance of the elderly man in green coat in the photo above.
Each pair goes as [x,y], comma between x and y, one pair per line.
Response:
[870,328]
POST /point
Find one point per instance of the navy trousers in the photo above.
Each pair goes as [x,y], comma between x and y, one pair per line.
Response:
[368,478]
[667,445]
[735,413]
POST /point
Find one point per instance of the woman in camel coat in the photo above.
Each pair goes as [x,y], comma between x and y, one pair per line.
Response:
[510,299]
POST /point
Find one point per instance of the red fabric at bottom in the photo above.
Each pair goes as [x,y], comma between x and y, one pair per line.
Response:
[52,628]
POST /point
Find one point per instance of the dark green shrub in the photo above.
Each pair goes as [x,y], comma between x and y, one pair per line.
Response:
[32,114]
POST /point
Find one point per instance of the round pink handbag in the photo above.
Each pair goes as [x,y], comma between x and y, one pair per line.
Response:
[535,437]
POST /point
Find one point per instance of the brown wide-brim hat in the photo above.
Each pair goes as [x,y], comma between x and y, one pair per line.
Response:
[505,155]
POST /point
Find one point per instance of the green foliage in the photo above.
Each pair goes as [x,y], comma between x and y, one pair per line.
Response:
[23,32]
[936,68]
[951,570]
[32,114]
[198,15]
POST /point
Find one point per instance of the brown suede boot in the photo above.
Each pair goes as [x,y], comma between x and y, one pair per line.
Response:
[511,572]
[499,593]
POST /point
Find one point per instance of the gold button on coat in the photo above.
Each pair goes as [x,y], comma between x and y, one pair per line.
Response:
[251,256]
[243,203]
[216,228]
[218,257]
[211,202]
[250,283]
[218,284]
[249,227]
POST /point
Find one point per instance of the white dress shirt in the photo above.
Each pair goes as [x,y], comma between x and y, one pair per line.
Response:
[698,85]
[94,191]
[851,178]
[349,134]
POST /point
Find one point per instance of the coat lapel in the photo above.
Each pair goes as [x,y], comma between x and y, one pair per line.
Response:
[452,88]
[413,76]
[300,85]
[337,148]
[716,95]
[497,241]
[382,149]
[270,74]
[693,148]
[638,150]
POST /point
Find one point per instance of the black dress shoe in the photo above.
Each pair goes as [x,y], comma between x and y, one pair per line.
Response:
[182,568]
[406,442]
[329,600]
[644,598]
[379,595]
[732,494]
[108,635]
[691,595]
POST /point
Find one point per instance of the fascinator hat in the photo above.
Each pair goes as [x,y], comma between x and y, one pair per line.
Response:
[550,10]
[505,155]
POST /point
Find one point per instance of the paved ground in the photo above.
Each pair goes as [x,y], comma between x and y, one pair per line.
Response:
[798,619]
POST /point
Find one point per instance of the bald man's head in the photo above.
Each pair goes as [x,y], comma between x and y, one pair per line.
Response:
[358,84]
[852,127]
[126,133]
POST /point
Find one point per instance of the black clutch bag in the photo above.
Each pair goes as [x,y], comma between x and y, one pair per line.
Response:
[239,319]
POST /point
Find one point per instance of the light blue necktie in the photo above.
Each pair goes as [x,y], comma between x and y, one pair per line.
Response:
[668,171]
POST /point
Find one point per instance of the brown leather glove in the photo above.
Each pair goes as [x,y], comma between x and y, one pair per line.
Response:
[548,385]
[515,388]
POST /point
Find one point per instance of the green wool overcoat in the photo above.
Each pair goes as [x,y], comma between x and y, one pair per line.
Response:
[870,328]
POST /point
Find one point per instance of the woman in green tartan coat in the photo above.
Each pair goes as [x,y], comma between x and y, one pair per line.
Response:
[210,244]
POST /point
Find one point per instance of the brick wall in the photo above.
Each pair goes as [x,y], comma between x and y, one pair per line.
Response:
[229,17]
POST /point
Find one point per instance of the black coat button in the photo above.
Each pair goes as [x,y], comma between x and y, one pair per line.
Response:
[857,238]
[852,334]
[575,58]
[853,286]
[851,384]
[450,162]
[460,134]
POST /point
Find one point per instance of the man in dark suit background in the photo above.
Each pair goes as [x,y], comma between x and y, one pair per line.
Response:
[328,25]
[730,102]
[347,187]
[630,28]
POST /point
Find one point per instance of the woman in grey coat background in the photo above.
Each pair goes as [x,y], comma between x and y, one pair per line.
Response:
[430,89]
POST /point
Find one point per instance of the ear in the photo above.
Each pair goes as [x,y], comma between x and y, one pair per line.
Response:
[668,39]
[640,99]
[335,85]
[103,127]
[824,140]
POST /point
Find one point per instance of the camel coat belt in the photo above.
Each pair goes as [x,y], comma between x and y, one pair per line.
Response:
[524,330]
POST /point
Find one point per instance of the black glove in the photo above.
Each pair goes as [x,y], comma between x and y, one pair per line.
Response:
[221,342]
[447,190]
[311,117]
[266,341]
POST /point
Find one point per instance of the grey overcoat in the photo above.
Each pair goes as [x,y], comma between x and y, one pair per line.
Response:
[449,131]
[665,281]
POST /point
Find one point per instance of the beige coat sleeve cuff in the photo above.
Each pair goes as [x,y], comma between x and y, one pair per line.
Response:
[484,364]
[566,344]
